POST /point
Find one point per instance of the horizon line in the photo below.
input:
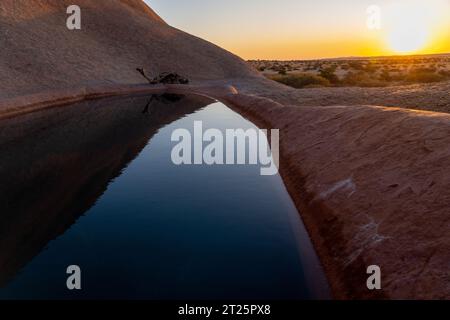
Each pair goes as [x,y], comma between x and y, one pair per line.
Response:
[355,57]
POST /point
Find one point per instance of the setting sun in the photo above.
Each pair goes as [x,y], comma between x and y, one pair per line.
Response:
[409,26]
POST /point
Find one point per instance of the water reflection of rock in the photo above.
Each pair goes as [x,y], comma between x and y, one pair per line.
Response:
[54,165]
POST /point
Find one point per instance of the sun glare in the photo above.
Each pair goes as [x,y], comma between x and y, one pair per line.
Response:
[409,26]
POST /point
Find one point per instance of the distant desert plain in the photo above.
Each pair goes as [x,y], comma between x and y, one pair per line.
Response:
[415,81]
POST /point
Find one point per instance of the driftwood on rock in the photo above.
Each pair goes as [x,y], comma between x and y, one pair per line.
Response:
[164,78]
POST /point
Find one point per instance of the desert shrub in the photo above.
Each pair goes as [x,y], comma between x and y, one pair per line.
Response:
[362,79]
[424,70]
[302,80]
[282,71]
[421,76]
[385,75]
[371,68]
[317,66]
[329,74]
[445,73]
[356,65]
[398,77]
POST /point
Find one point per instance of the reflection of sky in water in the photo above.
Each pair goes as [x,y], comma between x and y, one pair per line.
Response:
[177,232]
[219,117]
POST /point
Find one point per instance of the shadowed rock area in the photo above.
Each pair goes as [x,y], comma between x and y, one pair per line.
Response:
[55,164]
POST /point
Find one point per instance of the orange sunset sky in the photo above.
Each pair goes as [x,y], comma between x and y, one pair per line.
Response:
[298,29]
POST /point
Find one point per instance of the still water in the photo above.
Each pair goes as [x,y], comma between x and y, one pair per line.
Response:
[93,185]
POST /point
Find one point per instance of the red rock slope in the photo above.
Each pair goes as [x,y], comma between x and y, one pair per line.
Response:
[372,187]
[38,53]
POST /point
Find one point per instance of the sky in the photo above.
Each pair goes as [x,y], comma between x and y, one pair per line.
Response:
[310,29]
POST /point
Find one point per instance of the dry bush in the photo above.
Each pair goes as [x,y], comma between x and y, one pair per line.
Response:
[362,79]
[423,76]
[301,80]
